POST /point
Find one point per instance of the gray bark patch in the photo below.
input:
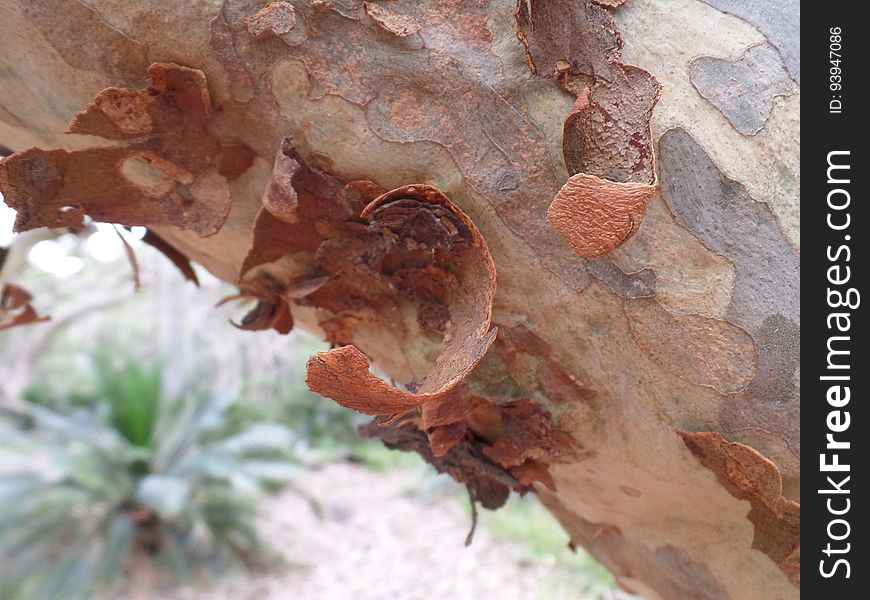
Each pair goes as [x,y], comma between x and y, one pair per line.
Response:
[744,90]
[765,300]
[778,20]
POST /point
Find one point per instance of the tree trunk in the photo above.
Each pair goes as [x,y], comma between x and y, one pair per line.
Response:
[644,377]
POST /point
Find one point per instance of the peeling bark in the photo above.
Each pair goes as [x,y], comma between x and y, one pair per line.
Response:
[15,307]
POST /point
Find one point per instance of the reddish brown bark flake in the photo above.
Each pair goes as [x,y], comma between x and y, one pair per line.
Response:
[533,471]
[526,432]
[303,207]
[15,307]
[172,171]
[606,137]
[173,254]
[488,483]
[272,310]
[596,215]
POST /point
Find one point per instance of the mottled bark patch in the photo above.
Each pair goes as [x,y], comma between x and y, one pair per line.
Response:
[765,301]
[668,569]
[639,284]
[275,19]
[395,23]
[85,41]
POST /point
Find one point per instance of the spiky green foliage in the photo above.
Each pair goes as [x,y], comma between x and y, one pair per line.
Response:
[131,477]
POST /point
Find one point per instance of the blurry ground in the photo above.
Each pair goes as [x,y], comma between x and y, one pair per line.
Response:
[379,538]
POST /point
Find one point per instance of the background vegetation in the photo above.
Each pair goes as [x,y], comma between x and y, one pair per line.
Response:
[140,432]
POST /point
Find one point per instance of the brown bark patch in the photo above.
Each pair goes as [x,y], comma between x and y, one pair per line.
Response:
[488,483]
[526,433]
[532,471]
[304,206]
[170,172]
[748,475]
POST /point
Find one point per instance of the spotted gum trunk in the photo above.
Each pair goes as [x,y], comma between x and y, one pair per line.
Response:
[568,230]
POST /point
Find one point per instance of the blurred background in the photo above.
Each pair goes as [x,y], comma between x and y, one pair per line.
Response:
[150,449]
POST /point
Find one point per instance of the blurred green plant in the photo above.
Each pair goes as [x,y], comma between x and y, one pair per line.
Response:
[325,431]
[125,480]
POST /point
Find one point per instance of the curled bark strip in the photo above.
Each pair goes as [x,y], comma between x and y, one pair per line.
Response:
[173,254]
[342,374]
[171,172]
[15,307]
[595,215]
[420,227]
[748,475]
[272,310]
[606,136]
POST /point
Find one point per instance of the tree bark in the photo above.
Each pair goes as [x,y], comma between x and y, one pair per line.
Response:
[644,376]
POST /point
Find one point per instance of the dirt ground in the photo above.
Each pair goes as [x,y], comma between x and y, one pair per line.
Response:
[376,540]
